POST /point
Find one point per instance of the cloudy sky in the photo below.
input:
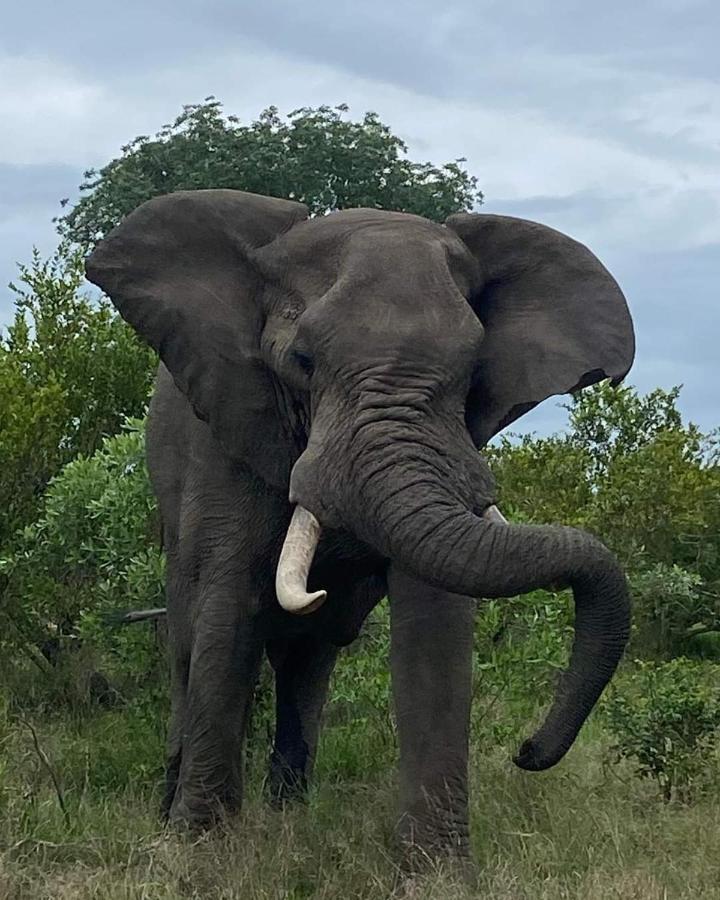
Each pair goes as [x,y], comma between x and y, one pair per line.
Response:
[601,119]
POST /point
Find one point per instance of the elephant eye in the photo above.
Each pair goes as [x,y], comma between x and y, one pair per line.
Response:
[304,360]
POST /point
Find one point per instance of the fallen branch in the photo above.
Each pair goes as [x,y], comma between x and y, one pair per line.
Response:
[137,615]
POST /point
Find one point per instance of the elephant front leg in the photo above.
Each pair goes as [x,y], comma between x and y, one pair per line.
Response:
[225,654]
[431,663]
[303,667]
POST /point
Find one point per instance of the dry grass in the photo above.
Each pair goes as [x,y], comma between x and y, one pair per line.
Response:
[583,831]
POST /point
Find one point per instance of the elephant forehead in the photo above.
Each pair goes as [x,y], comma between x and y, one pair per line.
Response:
[339,225]
[366,246]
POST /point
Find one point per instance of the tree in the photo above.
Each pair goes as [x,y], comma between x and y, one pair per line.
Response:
[630,471]
[70,371]
[315,156]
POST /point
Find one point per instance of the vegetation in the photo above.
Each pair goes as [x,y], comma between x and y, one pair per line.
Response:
[92,549]
[314,156]
[70,370]
[83,699]
[586,830]
[668,721]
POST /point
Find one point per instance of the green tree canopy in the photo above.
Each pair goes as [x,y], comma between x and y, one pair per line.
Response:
[629,470]
[315,156]
[70,370]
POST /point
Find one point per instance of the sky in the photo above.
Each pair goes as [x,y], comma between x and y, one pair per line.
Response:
[599,119]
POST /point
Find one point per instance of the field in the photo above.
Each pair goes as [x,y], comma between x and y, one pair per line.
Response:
[588,829]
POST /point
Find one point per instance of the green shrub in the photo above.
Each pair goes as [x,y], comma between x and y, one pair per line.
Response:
[672,610]
[361,739]
[93,551]
[665,717]
[521,645]
[70,371]
[628,470]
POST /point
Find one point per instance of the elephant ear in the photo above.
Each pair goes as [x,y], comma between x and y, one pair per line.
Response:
[180,270]
[555,319]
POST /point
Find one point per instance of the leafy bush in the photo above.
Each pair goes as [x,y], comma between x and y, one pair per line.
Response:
[629,471]
[92,551]
[672,609]
[522,641]
[362,738]
[666,718]
[521,646]
[70,370]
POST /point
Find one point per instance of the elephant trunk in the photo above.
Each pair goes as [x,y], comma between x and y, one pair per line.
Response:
[425,529]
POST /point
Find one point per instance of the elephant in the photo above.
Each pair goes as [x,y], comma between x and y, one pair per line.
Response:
[326,386]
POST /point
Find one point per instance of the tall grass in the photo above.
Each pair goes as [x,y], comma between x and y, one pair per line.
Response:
[587,829]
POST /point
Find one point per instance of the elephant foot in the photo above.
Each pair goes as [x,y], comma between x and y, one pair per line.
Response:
[196,812]
[286,784]
[461,874]
[427,845]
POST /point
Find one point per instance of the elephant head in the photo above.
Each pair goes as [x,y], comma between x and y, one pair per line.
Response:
[360,359]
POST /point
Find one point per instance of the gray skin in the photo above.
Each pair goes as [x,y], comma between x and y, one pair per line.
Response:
[354,364]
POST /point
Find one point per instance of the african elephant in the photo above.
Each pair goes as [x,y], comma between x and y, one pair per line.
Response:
[313,439]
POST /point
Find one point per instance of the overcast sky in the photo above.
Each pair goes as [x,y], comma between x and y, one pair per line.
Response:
[600,119]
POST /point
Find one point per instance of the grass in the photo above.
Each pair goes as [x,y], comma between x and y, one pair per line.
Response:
[586,829]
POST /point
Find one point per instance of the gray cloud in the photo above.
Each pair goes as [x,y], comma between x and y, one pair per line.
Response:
[675,302]
[34,189]
[31,197]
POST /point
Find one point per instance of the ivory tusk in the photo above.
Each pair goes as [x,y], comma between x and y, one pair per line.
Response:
[493,514]
[293,568]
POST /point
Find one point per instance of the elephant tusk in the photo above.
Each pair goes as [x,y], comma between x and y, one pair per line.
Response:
[293,568]
[493,514]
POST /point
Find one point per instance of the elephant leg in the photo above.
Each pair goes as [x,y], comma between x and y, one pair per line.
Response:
[303,667]
[431,664]
[207,732]
[179,648]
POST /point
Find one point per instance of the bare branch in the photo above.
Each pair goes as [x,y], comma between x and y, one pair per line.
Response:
[137,615]
[43,757]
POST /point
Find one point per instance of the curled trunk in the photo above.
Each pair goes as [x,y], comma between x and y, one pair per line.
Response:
[430,533]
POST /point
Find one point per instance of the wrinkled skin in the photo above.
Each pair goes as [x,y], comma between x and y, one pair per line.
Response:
[354,364]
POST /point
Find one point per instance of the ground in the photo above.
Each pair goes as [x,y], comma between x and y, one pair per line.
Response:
[588,829]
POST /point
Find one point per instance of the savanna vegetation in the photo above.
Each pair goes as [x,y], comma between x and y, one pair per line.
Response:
[633,812]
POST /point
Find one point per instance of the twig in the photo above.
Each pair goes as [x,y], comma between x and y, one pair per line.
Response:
[43,757]
[138,615]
